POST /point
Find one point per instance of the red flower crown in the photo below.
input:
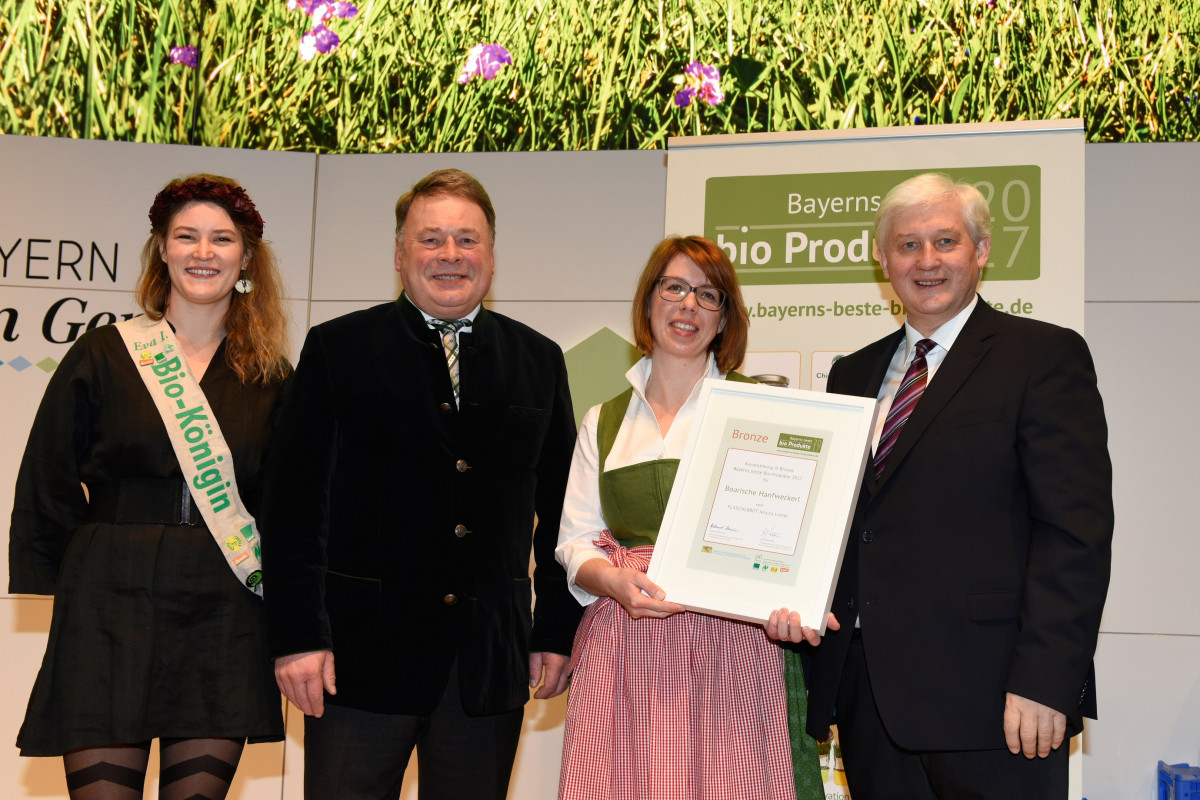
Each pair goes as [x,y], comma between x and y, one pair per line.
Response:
[231,197]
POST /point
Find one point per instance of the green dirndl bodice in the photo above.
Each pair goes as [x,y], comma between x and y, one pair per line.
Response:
[633,498]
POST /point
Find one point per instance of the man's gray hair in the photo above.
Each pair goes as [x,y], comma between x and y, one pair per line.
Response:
[930,188]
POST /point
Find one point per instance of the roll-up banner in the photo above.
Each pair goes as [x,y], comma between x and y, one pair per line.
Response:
[794,212]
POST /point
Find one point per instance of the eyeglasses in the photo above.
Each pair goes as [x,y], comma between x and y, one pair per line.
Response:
[676,289]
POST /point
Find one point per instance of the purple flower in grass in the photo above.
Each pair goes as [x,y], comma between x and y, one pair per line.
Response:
[683,98]
[187,55]
[699,80]
[319,40]
[484,60]
[343,10]
[322,10]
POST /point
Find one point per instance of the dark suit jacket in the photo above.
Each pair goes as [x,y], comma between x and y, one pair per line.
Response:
[979,561]
[397,529]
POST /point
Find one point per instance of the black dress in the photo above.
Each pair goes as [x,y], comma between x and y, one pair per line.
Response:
[152,633]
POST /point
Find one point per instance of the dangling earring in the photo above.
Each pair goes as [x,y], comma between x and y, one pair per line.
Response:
[244,284]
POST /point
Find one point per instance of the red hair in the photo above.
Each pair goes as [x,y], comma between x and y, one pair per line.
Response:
[729,345]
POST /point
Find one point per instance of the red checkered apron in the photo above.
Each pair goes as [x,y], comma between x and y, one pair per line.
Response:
[691,707]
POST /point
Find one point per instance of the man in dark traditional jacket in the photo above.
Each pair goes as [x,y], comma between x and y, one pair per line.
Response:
[416,444]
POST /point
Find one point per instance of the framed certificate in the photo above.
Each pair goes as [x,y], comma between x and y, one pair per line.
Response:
[763,500]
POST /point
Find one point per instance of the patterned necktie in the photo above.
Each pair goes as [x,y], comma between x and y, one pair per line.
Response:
[911,388]
[449,330]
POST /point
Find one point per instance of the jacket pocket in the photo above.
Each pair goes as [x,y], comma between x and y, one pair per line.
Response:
[984,606]
[354,606]
[973,415]
[525,430]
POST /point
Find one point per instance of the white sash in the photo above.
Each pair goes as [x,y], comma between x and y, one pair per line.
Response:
[202,451]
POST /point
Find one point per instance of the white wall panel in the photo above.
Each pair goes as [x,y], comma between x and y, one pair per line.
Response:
[1141,221]
[1150,382]
[1149,692]
[568,225]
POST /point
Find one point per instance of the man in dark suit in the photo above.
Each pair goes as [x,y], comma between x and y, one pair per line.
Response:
[978,560]
[410,461]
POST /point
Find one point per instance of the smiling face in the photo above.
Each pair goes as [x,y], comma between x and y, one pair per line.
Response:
[681,328]
[444,255]
[931,261]
[204,255]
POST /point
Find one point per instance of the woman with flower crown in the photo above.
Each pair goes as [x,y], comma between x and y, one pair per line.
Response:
[134,509]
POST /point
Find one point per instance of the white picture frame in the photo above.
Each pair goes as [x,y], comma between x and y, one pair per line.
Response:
[762,502]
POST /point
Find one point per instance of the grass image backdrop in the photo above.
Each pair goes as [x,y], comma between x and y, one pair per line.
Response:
[393,75]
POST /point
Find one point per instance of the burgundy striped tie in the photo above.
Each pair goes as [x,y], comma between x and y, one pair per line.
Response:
[906,399]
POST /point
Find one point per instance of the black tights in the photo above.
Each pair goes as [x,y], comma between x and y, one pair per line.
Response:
[190,769]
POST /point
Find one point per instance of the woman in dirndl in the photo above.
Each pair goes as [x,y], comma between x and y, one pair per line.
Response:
[153,635]
[665,703]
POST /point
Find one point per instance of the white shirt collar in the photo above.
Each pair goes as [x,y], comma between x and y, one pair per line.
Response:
[430,320]
[639,375]
[944,335]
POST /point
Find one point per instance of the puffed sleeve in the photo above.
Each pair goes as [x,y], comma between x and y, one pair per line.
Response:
[50,503]
[582,519]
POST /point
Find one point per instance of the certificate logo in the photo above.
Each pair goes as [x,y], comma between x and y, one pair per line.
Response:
[801,444]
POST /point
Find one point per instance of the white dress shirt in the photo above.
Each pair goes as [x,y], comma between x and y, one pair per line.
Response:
[639,439]
[943,336]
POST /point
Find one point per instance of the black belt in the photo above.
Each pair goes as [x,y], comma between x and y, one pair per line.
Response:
[145,501]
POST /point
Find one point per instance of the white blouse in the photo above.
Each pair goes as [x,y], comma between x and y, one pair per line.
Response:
[638,440]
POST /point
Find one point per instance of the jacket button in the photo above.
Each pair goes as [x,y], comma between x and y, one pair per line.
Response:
[449,599]
[868,536]
[461,465]
[445,408]
[460,531]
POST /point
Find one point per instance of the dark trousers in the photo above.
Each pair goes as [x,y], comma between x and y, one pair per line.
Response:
[878,769]
[351,754]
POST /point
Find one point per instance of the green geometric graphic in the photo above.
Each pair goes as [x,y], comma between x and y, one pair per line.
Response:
[596,369]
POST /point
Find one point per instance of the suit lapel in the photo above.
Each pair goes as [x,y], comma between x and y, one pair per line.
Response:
[864,380]
[968,351]
[867,378]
